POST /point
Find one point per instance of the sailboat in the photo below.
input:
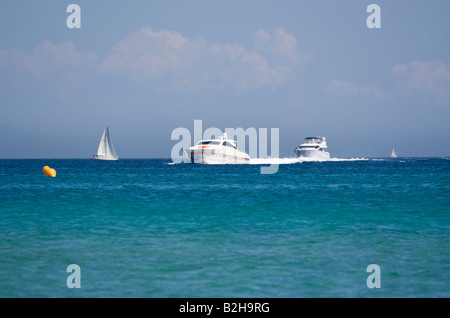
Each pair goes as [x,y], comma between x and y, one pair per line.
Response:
[393,154]
[105,148]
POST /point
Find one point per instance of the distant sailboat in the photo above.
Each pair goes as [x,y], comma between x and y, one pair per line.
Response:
[105,148]
[393,154]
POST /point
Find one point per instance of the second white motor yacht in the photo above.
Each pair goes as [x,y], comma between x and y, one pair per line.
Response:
[313,147]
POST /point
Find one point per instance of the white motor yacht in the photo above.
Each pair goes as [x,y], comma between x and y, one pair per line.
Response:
[217,151]
[313,147]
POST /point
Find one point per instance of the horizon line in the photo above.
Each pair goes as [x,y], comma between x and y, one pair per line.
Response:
[147,158]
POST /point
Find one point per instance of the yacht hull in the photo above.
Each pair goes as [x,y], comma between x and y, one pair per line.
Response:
[103,158]
[217,157]
[312,153]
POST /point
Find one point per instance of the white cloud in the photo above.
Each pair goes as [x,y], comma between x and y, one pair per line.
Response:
[341,88]
[45,59]
[374,91]
[279,44]
[151,53]
[430,78]
[427,78]
[169,59]
[188,64]
[338,87]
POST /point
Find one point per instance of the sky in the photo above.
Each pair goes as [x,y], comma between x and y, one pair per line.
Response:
[145,68]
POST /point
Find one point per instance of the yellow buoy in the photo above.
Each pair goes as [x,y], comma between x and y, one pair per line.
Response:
[49,172]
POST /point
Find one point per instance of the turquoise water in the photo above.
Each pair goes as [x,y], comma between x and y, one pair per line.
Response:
[144,228]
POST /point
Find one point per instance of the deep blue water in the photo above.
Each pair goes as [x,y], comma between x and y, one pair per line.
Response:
[143,228]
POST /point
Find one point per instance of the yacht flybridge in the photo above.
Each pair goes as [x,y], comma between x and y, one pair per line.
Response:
[217,151]
[313,147]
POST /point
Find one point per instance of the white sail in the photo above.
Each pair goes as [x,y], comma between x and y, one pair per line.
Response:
[393,154]
[106,149]
[111,151]
[101,151]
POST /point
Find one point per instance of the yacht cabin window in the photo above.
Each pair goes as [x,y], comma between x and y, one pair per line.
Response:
[228,144]
[209,142]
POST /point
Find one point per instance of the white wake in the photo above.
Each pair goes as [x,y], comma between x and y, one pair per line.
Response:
[283,161]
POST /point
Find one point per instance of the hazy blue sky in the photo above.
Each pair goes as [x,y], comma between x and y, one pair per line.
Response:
[145,68]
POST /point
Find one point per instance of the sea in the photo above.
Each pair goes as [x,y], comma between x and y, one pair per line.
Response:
[342,228]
